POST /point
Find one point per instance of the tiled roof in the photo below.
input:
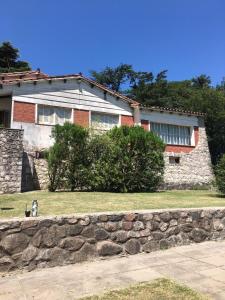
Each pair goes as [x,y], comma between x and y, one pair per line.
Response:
[21,76]
[172,110]
[17,77]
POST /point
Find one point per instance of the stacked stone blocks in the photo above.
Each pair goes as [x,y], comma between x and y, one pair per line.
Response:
[11,153]
[47,242]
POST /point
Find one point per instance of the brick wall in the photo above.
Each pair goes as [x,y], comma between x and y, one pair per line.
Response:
[145,124]
[127,120]
[24,112]
[81,117]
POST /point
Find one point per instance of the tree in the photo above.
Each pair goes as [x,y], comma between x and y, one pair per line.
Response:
[220,175]
[202,81]
[9,59]
[113,77]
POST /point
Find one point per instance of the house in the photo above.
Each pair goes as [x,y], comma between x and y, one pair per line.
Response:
[35,102]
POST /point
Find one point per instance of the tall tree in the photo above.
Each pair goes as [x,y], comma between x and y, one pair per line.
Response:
[113,77]
[9,59]
[202,81]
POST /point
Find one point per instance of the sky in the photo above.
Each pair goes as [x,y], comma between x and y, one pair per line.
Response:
[185,37]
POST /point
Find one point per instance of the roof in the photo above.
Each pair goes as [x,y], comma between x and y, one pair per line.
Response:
[28,76]
[31,76]
[172,110]
[7,78]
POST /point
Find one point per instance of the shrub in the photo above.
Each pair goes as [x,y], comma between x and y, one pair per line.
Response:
[77,163]
[56,166]
[66,158]
[101,155]
[138,159]
[125,159]
[220,175]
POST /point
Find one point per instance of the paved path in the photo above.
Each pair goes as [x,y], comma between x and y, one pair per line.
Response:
[200,266]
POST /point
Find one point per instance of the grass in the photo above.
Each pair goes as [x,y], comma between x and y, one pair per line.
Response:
[85,202]
[160,289]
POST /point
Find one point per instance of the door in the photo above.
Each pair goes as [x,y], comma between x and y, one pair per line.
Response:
[4,119]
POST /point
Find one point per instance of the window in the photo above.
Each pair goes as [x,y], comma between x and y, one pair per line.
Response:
[103,121]
[174,160]
[172,134]
[50,115]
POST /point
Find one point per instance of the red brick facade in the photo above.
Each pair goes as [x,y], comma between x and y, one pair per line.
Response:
[127,120]
[196,132]
[81,117]
[185,149]
[145,124]
[24,112]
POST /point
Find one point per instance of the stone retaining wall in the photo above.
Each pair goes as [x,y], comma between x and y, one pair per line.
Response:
[46,242]
[11,153]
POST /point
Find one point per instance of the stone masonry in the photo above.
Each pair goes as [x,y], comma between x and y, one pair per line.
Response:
[194,169]
[35,173]
[51,241]
[11,152]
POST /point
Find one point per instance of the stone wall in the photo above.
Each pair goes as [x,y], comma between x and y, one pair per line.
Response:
[41,179]
[11,152]
[35,173]
[46,242]
[194,169]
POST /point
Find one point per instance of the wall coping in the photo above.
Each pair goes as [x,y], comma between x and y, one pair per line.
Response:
[11,129]
[83,215]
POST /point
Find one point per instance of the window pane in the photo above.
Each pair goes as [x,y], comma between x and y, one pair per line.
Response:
[45,114]
[104,121]
[48,115]
[172,134]
[53,115]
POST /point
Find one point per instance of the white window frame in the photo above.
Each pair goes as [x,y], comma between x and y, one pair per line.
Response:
[55,108]
[191,129]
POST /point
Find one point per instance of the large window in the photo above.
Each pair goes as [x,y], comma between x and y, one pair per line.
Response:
[172,134]
[103,121]
[50,115]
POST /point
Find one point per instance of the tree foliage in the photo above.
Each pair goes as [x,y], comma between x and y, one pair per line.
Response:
[194,94]
[220,174]
[9,59]
[67,157]
[125,159]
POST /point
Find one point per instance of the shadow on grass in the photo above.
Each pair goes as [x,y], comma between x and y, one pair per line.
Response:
[217,196]
[107,192]
[7,208]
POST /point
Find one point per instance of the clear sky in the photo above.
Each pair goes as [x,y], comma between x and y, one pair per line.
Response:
[187,37]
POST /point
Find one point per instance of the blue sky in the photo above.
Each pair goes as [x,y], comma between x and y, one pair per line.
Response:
[187,37]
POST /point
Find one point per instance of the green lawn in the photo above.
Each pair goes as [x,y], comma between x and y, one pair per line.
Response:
[83,202]
[160,289]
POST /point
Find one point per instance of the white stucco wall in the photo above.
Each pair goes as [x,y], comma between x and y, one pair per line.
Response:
[71,95]
[169,118]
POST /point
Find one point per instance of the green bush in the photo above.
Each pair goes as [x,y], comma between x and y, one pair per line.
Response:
[125,159]
[66,158]
[220,175]
[138,160]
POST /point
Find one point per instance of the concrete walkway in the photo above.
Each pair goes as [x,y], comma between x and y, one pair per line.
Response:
[200,266]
